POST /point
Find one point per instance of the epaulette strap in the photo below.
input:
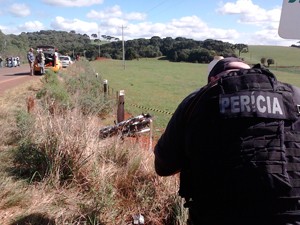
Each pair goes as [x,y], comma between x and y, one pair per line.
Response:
[248,79]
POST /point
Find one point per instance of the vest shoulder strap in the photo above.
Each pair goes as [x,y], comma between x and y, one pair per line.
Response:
[248,79]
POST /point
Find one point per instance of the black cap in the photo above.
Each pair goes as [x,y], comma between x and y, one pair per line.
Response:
[223,65]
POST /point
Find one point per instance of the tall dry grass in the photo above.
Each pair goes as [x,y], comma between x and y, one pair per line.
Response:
[57,171]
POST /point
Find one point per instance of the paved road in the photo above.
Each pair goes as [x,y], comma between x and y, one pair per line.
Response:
[12,77]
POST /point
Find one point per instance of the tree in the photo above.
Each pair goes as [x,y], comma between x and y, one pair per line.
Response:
[130,54]
[270,61]
[200,55]
[241,48]
[178,49]
[87,36]
[155,41]
[94,35]
[183,55]
[263,61]
[167,45]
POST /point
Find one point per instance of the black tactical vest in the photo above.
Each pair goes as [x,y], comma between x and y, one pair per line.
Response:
[243,143]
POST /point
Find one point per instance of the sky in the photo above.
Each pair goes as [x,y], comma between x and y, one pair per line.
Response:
[252,22]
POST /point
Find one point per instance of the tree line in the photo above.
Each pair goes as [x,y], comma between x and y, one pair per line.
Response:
[178,49]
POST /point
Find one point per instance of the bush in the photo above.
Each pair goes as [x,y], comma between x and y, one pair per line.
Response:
[270,61]
[263,61]
[30,162]
[25,125]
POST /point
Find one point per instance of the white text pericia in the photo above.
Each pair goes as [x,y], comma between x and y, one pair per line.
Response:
[259,102]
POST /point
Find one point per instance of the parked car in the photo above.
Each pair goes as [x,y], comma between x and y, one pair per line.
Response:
[52,61]
[65,60]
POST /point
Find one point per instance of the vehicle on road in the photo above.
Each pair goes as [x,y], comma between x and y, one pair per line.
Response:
[52,61]
[65,60]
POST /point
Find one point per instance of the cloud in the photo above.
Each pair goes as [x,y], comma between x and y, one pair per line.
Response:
[19,10]
[79,26]
[115,12]
[31,26]
[135,16]
[250,13]
[269,37]
[190,27]
[189,21]
[240,7]
[73,3]
[109,21]
[113,22]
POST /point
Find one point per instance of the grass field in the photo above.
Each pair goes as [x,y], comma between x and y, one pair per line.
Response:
[283,56]
[153,85]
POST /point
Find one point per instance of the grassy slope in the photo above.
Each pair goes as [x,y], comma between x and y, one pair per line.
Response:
[117,177]
[283,56]
[152,84]
[157,84]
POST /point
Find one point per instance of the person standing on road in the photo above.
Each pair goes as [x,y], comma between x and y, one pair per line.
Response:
[41,60]
[236,144]
[31,58]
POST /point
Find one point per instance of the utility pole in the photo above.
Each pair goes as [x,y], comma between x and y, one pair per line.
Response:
[99,42]
[123,46]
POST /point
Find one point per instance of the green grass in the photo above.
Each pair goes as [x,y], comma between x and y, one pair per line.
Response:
[158,86]
[152,85]
[283,56]
[287,63]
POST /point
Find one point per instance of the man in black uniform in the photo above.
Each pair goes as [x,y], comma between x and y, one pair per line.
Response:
[236,144]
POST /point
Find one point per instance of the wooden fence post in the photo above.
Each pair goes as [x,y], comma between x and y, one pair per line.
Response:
[120,110]
[117,97]
[30,104]
[105,89]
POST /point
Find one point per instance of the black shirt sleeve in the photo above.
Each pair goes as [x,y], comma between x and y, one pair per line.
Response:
[170,147]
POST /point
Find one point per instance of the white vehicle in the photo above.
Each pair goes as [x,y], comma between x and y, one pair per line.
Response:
[65,60]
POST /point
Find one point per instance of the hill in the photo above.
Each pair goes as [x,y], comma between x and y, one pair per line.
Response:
[173,49]
[283,56]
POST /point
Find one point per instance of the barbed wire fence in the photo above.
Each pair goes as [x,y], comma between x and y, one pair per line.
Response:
[130,127]
[110,90]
